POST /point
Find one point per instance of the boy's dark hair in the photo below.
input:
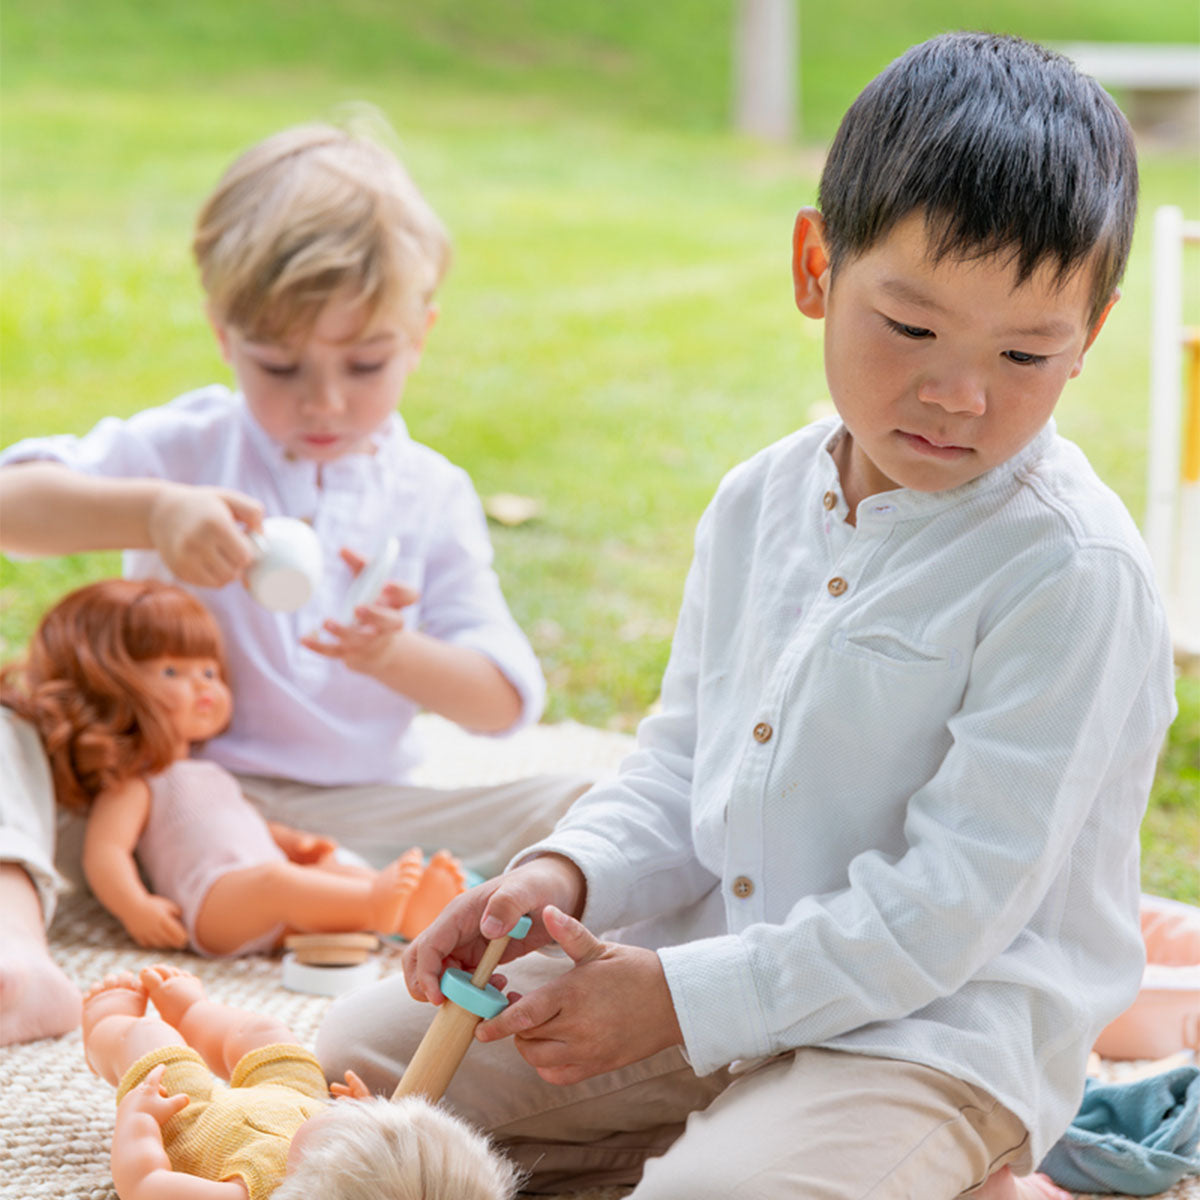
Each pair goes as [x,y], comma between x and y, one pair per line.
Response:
[1005,147]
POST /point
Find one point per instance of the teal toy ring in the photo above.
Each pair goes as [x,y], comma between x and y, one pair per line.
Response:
[485,1002]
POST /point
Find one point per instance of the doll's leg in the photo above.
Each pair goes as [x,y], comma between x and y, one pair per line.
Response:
[220,1033]
[442,880]
[116,1030]
[245,904]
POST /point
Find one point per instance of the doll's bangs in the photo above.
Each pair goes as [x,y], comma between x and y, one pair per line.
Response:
[170,622]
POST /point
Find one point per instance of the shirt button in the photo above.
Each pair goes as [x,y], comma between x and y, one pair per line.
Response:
[837,586]
[762,732]
[742,887]
[829,500]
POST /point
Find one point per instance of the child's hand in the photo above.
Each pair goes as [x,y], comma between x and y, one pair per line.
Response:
[363,645]
[198,532]
[613,1008]
[461,932]
[154,923]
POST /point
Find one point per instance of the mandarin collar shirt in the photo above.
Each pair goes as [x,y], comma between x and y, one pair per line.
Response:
[890,804]
[298,715]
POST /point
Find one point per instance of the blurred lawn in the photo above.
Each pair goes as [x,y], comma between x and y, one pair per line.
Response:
[617,330]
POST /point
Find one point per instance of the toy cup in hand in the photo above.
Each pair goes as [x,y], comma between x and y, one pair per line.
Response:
[288,568]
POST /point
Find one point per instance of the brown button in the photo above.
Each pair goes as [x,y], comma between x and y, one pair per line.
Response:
[837,586]
[829,499]
[742,887]
[762,732]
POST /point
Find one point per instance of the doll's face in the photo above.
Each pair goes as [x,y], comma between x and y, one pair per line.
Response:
[193,693]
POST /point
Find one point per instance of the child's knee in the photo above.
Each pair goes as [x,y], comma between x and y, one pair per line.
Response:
[372,1031]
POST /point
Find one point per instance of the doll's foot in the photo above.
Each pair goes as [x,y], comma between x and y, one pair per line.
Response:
[172,990]
[444,878]
[116,998]
[393,888]
[1004,1185]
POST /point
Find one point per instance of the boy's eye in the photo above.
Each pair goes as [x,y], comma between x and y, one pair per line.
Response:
[1022,359]
[916,332]
[364,368]
[280,370]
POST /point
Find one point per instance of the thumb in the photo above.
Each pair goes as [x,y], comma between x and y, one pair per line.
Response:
[571,935]
[244,508]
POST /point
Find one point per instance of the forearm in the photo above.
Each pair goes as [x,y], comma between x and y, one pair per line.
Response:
[142,1171]
[454,681]
[111,874]
[46,508]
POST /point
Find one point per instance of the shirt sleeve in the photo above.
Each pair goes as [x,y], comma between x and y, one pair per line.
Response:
[463,603]
[632,837]
[1059,726]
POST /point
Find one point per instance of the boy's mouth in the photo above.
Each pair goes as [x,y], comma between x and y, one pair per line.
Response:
[932,448]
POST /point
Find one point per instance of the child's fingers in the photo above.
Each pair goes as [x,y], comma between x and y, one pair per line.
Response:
[355,562]
[399,595]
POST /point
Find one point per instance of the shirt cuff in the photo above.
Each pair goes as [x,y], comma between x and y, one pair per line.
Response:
[716,1001]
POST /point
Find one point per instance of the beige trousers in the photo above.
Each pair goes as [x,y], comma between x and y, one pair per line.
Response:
[808,1125]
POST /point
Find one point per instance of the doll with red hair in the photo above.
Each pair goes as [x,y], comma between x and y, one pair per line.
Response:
[122,679]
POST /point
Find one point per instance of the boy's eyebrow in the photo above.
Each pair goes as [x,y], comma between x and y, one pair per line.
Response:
[901,289]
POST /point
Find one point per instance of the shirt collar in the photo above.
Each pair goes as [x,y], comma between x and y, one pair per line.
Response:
[904,503]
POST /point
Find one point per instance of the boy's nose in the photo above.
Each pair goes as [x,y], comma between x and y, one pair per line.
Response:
[325,395]
[957,393]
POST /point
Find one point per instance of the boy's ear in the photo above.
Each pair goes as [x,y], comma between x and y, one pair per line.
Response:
[219,331]
[1095,333]
[418,347]
[810,263]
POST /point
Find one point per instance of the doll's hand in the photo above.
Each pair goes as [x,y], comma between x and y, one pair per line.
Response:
[300,846]
[152,1098]
[613,1008]
[155,924]
[354,1088]
[198,532]
[363,645]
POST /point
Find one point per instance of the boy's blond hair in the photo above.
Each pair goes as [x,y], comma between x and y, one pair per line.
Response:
[313,212]
[406,1149]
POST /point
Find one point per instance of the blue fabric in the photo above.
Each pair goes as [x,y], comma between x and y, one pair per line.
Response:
[1133,1138]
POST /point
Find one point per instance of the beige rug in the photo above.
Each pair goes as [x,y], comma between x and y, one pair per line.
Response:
[56,1118]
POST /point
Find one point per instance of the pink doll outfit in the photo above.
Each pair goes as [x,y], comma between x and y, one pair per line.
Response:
[200,828]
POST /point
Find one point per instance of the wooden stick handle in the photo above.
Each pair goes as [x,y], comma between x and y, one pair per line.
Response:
[449,1037]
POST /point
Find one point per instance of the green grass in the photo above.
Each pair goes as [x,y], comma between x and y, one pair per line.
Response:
[617,330]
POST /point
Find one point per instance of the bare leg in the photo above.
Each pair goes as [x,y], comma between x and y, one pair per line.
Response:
[1004,1185]
[36,999]
[248,903]
[221,1034]
[444,878]
[116,1030]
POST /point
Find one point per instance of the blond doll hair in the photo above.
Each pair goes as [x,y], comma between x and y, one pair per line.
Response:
[406,1149]
[310,213]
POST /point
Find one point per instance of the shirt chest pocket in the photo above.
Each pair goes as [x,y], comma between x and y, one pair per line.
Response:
[891,650]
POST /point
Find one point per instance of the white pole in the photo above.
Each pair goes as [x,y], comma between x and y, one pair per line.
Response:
[765,68]
[1166,395]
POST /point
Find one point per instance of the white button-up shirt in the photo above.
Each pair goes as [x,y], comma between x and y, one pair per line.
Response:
[891,802]
[298,715]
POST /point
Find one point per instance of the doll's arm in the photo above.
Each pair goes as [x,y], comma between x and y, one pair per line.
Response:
[115,823]
[140,1167]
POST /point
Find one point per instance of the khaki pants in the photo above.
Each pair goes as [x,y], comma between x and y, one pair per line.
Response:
[808,1125]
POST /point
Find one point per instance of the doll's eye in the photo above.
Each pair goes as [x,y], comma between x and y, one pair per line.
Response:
[170,672]
[210,673]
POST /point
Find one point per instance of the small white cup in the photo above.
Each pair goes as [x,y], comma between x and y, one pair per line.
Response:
[288,568]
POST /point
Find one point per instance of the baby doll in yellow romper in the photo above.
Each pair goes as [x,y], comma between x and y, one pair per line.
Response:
[183,1134]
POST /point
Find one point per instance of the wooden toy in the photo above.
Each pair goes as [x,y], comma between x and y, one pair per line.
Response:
[469,1000]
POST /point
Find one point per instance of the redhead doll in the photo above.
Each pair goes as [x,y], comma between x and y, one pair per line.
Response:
[122,679]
